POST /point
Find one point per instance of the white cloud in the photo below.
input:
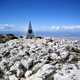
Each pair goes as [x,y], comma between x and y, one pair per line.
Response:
[66,27]
[55,27]
[73,27]
[6,26]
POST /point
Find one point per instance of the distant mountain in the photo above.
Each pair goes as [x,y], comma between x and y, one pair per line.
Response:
[60,34]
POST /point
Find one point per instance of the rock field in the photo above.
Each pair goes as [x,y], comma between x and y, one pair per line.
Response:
[40,59]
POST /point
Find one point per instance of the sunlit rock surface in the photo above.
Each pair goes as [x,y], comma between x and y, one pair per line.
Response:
[40,59]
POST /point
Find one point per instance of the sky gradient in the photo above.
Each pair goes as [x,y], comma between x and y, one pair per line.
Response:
[44,14]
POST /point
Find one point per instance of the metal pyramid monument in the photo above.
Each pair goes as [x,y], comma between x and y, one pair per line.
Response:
[30,34]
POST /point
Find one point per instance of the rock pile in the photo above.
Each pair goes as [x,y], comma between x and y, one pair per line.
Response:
[40,59]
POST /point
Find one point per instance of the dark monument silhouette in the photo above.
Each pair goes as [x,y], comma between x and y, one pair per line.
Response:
[30,33]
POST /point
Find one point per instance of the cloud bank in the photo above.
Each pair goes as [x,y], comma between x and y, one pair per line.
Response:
[6,26]
[66,27]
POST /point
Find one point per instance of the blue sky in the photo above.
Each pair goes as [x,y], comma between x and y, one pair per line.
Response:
[44,14]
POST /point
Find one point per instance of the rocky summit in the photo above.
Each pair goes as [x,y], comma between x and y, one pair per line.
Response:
[40,59]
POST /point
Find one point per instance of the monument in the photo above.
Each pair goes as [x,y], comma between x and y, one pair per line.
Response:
[30,33]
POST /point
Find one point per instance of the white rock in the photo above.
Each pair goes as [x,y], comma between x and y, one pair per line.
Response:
[27,74]
[68,72]
[12,77]
[54,56]
[64,54]
[40,64]
[45,71]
